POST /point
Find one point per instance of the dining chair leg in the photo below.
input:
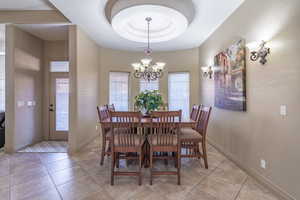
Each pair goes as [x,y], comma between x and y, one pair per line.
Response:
[113,158]
[204,155]
[198,150]
[176,160]
[178,167]
[140,168]
[166,160]
[103,150]
[151,165]
[117,160]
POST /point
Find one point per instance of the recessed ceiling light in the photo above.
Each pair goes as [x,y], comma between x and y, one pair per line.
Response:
[167,23]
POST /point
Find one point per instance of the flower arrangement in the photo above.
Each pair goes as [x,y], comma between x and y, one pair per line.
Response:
[148,101]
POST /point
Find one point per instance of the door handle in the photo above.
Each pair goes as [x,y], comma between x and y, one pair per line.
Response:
[51,108]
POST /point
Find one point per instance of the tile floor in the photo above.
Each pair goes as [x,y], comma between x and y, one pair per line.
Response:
[52,176]
[47,147]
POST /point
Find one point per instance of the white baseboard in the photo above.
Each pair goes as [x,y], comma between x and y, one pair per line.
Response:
[253,173]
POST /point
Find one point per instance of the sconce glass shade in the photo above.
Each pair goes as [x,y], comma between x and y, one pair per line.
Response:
[204,69]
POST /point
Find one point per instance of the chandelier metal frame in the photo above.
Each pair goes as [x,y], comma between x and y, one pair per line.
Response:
[146,68]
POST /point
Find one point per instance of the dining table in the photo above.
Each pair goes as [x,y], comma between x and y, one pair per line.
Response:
[146,121]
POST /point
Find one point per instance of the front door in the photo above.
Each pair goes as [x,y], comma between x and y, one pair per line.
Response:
[59,106]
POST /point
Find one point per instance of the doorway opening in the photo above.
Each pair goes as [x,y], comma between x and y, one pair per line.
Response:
[54,110]
[2,87]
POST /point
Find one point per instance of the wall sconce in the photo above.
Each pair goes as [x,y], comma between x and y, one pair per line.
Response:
[261,53]
[207,72]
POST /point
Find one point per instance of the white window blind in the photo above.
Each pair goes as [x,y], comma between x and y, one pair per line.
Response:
[2,82]
[149,85]
[119,90]
[179,92]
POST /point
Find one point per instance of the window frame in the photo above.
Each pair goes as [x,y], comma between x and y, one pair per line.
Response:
[189,88]
[129,87]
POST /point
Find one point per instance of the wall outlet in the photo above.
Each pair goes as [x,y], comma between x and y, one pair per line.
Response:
[20,104]
[263,164]
[96,127]
[283,110]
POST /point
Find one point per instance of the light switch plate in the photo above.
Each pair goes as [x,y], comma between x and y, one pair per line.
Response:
[283,110]
[20,104]
[29,103]
[263,164]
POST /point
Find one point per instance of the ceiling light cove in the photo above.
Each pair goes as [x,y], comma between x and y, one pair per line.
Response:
[167,22]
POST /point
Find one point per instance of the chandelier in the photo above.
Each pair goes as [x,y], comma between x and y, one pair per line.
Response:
[146,68]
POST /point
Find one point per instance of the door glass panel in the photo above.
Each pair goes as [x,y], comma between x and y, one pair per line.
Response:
[62,104]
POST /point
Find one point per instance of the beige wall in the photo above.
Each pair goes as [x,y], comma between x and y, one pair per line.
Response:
[177,61]
[32,17]
[24,60]
[53,51]
[261,133]
[84,90]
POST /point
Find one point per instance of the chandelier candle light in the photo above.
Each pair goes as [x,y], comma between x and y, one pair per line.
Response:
[146,68]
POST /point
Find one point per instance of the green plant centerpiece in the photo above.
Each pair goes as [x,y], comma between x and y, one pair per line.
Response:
[148,101]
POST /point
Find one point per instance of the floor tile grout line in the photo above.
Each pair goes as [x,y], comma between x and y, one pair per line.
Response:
[243,184]
[9,177]
[60,196]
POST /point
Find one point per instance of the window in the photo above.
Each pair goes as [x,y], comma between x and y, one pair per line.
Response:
[59,66]
[118,90]
[2,82]
[149,85]
[179,92]
[2,67]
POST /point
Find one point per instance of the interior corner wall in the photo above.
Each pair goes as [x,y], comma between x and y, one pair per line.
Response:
[24,58]
[84,88]
[177,61]
[261,132]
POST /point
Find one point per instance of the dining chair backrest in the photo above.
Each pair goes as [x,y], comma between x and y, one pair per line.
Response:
[126,128]
[195,112]
[203,119]
[163,107]
[103,113]
[110,107]
[166,116]
[164,129]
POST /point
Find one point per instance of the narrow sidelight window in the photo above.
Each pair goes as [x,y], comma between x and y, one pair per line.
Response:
[119,90]
[179,92]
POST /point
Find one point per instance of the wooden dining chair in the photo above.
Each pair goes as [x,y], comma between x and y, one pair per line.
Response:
[163,107]
[195,112]
[192,138]
[164,138]
[103,114]
[127,137]
[110,107]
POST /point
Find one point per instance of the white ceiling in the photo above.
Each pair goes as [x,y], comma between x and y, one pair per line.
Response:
[25,5]
[90,16]
[49,32]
